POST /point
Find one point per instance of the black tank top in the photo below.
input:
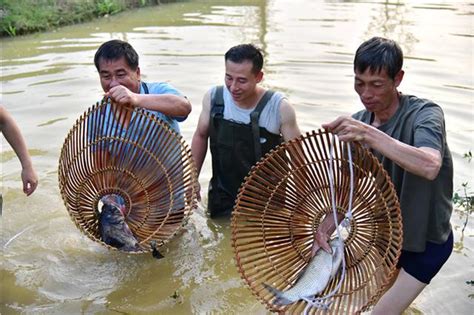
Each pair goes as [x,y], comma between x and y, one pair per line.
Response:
[235,148]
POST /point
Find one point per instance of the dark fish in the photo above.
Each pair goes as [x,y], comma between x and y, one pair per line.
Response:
[113,229]
[155,251]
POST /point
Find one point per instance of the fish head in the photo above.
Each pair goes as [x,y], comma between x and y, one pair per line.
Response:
[113,229]
[111,214]
[115,200]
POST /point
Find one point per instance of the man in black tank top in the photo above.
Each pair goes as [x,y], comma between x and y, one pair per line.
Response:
[235,145]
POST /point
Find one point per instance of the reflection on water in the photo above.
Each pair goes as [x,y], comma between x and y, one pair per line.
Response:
[49,79]
[392,19]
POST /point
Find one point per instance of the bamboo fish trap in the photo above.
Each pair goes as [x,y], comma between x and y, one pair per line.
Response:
[281,204]
[133,154]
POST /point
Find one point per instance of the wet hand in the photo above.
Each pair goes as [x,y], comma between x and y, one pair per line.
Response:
[121,95]
[321,240]
[347,129]
[30,180]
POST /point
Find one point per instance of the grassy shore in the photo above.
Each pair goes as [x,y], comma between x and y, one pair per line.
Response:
[19,17]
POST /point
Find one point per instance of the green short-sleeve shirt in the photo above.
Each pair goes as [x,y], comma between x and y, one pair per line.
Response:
[426,205]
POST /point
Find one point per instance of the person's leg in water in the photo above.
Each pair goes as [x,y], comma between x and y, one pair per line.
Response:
[400,295]
[417,270]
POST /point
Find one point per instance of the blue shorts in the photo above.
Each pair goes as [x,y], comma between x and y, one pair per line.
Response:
[425,265]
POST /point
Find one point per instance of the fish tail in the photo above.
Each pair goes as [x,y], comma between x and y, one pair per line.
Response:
[155,251]
[280,299]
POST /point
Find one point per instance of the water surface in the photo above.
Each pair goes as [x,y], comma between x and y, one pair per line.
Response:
[49,80]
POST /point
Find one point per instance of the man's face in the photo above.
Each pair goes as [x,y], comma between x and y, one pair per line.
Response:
[118,72]
[377,91]
[240,80]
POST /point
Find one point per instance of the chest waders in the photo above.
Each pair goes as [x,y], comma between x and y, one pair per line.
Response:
[235,148]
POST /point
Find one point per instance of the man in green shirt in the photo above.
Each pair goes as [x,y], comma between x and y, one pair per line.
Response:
[407,134]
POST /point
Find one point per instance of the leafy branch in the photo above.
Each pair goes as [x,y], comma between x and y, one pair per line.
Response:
[465,201]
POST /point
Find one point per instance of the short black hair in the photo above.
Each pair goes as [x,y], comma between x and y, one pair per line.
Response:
[243,52]
[379,53]
[115,49]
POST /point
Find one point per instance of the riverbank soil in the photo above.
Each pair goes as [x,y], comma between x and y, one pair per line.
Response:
[18,17]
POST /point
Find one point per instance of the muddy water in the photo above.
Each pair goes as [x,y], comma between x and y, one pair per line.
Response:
[48,80]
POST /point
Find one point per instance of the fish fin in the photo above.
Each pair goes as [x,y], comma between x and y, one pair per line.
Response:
[279,298]
[156,254]
[318,302]
[113,241]
[129,248]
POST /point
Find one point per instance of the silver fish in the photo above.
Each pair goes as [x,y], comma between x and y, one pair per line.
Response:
[315,277]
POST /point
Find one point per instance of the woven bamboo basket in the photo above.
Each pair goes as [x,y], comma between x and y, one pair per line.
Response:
[281,204]
[133,154]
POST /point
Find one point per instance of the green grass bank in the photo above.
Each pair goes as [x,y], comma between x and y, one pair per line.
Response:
[18,17]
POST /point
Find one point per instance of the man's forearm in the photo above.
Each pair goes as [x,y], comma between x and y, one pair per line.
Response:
[424,162]
[168,104]
[199,150]
[15,139]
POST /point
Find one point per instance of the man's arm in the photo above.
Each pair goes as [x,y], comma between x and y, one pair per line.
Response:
[290,130]
[289,127]
[423,161]
[201,135]
[168,104]
[13,135]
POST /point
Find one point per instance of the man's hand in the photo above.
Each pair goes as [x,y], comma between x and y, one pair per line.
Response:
[320,241]
[348,129]
[30,180]
[121,95]
[322,234]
